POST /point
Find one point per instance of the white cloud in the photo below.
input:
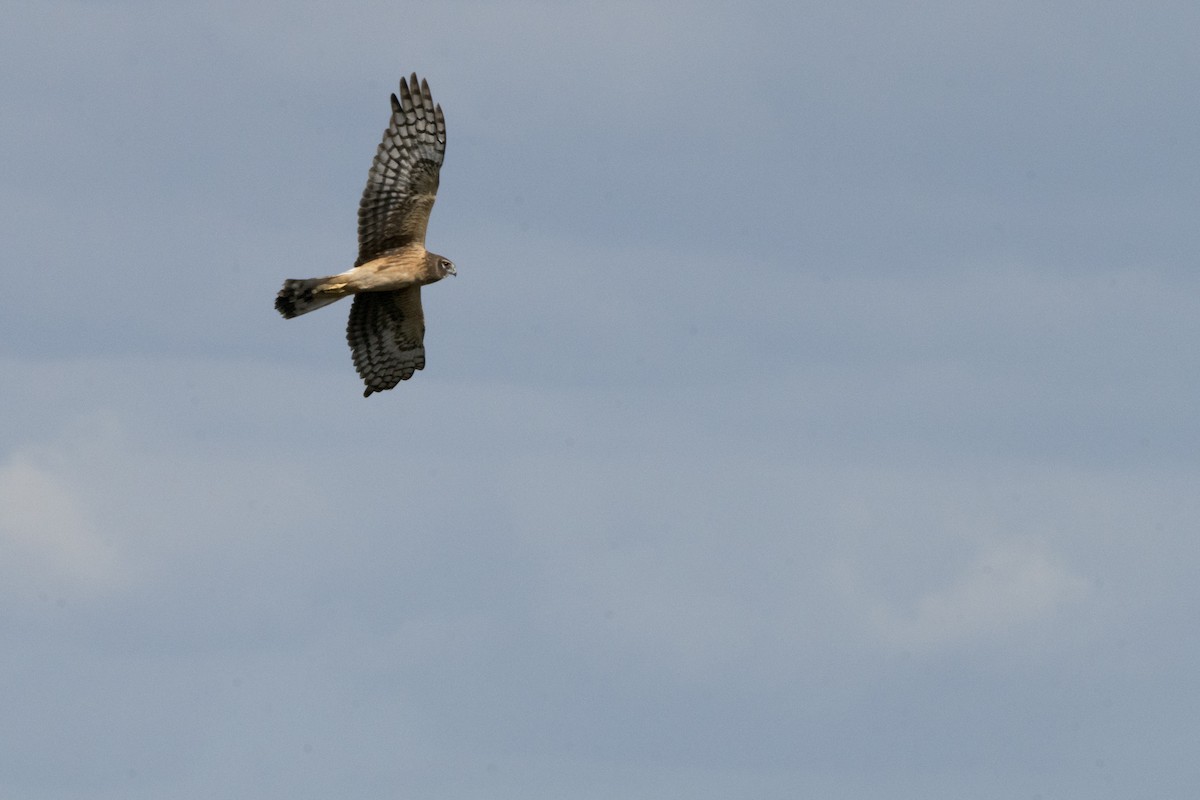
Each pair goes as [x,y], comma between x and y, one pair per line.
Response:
[1004,591]
[48,542]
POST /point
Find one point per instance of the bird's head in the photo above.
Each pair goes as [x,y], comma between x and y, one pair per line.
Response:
[445,267]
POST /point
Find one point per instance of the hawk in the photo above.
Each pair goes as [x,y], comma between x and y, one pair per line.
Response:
[386,331]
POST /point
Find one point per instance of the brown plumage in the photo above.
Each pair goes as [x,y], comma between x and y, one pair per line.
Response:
[386,331]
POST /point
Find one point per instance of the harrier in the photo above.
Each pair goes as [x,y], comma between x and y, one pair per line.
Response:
[386,331]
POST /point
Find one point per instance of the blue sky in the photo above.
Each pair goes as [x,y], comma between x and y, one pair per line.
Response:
[813,414]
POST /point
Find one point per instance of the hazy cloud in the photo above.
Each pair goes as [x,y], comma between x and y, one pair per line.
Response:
[50,544]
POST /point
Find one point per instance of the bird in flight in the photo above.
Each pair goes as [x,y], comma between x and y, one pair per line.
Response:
[386,331]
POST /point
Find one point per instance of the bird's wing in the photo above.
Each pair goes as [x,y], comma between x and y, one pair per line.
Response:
[403,180]
[386,334]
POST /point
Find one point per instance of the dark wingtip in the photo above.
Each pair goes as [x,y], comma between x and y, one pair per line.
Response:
[367,392]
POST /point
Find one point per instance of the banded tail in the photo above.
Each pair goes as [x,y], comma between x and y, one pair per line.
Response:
[302,296]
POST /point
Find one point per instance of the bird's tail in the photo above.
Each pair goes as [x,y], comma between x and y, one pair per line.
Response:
[302,296]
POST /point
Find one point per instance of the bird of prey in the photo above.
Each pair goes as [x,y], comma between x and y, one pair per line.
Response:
[386,331]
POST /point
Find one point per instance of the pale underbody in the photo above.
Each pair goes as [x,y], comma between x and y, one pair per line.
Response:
[398,269]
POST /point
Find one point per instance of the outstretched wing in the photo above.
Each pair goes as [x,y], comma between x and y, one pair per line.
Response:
[403,181]
[386,333]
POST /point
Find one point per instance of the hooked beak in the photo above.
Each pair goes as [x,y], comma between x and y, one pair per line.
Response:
[450,268]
